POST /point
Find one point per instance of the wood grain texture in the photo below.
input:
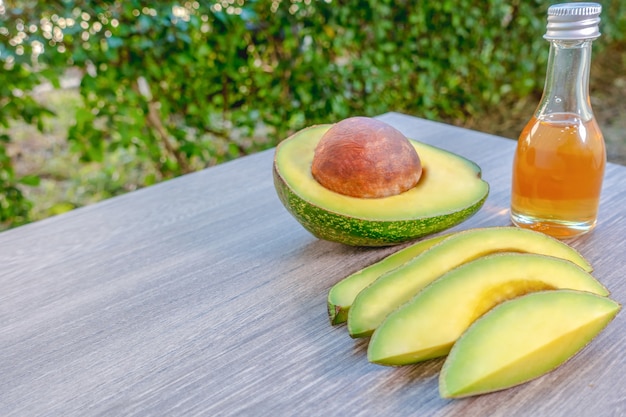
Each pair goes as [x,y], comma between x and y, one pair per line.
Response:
[202,296]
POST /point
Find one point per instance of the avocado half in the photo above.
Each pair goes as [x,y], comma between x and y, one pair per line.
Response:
[449,192]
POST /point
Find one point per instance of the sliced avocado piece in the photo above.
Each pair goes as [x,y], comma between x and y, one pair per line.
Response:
[391,290]
[449,191]
[522,339]
[343,293]
[415,332]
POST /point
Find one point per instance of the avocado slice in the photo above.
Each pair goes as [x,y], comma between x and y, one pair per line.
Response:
[343,293]
[450,191]
[522,339]
[414,332]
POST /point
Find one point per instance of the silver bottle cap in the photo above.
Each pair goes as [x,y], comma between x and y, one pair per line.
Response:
[573,21]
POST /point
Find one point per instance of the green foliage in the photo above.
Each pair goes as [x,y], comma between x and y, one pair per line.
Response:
[14,207]
[182,86]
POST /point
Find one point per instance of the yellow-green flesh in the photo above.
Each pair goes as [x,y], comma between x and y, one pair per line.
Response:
[396,287]
[343,293]
[429,324]
[522,339]
[447,184]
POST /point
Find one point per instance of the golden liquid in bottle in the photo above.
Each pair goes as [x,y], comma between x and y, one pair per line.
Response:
[557,175]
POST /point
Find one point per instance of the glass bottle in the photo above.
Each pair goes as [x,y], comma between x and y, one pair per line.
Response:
[560,158]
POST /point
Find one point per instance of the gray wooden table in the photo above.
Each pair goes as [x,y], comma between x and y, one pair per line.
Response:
[202,296]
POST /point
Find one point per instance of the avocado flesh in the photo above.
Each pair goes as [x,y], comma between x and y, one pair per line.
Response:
[450,191]
[522,339]
[416,331]
[391,290]
[343,293]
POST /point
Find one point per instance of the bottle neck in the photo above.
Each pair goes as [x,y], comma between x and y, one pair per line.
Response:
[566,88]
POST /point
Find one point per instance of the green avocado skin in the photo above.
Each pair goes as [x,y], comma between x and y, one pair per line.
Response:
[335,227]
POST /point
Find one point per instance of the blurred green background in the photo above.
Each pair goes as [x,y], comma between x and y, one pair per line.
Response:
[101,98]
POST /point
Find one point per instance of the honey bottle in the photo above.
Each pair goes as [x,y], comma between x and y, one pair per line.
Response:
[560,157]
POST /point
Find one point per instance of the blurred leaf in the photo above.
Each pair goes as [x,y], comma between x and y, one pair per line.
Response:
[31,180]
[61,208]
[114,42]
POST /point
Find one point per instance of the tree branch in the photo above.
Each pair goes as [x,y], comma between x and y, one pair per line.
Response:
[154,121]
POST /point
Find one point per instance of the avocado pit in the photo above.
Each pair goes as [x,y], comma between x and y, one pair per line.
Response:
[365,158]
